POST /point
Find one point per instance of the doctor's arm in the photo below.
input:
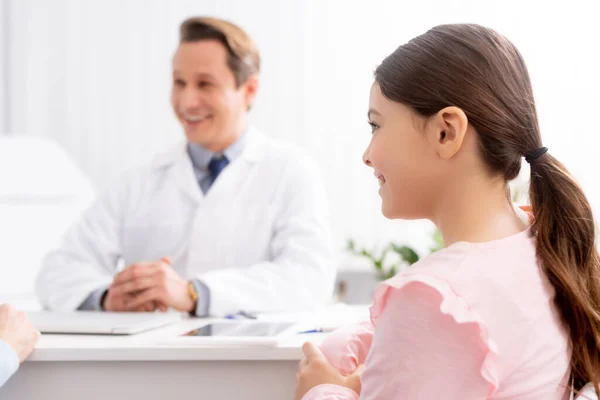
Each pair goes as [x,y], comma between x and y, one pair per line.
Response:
[78,272]
[301,272]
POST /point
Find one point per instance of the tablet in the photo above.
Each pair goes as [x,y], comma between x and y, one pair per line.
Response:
[235,332]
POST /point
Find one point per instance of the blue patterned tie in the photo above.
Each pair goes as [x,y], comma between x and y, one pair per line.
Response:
[216,165]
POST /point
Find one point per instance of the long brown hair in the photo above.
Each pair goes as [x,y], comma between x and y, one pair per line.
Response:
[481,72]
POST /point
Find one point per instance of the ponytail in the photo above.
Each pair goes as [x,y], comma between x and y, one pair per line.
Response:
[566,247]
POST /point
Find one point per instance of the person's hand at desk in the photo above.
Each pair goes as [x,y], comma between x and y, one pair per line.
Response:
[121,293]
[17,331]
[18,338]
[315,370]
[148,286]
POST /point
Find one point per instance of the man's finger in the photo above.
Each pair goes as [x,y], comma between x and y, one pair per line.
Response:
[134,285]
[138,264]
[148,307]
[312,352]
[152,294]
[136,271]
[162,307]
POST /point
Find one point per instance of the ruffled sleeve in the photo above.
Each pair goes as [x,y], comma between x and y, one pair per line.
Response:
[428,343]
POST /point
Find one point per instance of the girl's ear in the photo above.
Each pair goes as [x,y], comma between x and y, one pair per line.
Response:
[446,131]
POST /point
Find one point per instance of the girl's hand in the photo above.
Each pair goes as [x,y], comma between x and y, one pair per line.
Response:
[315,370]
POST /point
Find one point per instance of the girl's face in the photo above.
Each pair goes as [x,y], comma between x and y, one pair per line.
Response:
[405,158]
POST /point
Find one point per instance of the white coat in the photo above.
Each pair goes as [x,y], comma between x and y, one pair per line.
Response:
[259,238]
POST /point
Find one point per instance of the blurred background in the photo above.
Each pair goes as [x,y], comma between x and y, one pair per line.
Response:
[92,79]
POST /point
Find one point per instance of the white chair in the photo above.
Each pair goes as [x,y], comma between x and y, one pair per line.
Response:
[42,191]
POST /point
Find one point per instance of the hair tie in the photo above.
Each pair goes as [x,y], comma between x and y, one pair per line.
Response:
[531,157]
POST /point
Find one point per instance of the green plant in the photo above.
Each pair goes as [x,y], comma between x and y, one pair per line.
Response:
[385,270]
[438,241]
[406,256]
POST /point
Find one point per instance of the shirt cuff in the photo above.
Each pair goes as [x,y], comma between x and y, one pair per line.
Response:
[94,300]
[203,304]
[333,392]
[9,362]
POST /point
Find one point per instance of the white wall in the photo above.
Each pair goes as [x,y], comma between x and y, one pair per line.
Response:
[3,61]
[37,205]
[94,75]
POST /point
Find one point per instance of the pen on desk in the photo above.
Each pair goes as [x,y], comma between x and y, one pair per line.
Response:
[318,330]
[240,314]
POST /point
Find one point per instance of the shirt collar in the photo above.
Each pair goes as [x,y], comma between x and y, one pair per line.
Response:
[201,157]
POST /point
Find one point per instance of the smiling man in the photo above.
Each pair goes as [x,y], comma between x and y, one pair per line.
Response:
[228,221]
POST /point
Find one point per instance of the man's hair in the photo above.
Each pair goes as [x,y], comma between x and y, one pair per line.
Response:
[243,56]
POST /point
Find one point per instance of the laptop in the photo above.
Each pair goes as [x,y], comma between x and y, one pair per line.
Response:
[100,323]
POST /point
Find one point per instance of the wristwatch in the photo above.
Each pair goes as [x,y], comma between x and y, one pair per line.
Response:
[193,293]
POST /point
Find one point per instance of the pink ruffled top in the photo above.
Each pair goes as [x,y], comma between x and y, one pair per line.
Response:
[472,321]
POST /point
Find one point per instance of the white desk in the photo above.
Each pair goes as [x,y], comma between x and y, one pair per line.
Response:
[65,367]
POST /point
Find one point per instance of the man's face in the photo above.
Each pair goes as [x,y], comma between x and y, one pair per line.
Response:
[205,97]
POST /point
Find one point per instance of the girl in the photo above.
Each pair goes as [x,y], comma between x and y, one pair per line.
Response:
[510,309]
